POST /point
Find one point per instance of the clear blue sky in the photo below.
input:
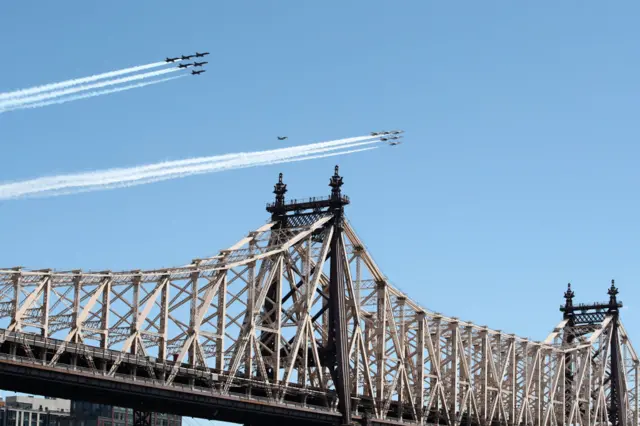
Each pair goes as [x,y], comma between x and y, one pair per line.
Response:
[519,172]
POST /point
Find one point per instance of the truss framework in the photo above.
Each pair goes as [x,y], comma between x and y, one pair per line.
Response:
[257,316]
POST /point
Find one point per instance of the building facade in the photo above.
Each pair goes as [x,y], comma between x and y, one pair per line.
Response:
[32,411]
[88,414]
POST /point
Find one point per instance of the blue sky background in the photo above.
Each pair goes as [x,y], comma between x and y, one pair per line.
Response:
[519,172]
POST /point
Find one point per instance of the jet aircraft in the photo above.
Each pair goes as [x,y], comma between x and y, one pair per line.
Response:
[184,65]
[171,59]
[394,143]
[197,72]
[390,139]
[200,55]
[184,58]
[199,64]
[281,138]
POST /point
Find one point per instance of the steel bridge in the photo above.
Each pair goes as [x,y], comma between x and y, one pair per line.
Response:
[296,323]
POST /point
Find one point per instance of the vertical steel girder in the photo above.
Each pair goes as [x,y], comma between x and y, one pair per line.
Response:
[269,313]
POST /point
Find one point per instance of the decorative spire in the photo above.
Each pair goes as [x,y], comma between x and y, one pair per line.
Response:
[335,183]
[613,291]
[569,295]
[280,189]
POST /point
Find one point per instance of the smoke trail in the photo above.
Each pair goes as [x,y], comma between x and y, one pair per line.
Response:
[6,105]
[118,185]
[141,175]
[131,172]
[128,175]
[89,95]
[251,159]
[76,81]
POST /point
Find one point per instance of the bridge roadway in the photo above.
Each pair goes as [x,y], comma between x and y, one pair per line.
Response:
[82,374]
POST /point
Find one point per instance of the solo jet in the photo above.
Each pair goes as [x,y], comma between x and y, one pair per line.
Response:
[281,138]
[197,72]
[184,65]
[171,59]
[199,64]
[200,55]
[185,58]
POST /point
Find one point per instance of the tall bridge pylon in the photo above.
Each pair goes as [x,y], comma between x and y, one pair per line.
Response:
[296,321]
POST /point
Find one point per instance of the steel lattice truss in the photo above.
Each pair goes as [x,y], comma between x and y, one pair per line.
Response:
[256,315]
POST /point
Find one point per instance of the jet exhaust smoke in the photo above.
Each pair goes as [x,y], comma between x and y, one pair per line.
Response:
[76,81]
[7,105]
[118,185]
[89,95]
[125,177]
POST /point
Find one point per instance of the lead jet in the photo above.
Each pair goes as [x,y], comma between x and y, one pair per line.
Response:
[197,72]
[281,138]
[171,59]
[199,64]
[186,58]
[184,65]
[200,55]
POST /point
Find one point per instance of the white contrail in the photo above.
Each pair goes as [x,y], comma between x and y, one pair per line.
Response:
[76,81]
[89,95]
[131,172]
[147,174]
[56,94]
[251,159]
[182,175]
[135,174]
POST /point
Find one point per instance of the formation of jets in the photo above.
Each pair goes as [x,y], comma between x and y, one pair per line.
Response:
[392,132]
[389,137]
[186,58]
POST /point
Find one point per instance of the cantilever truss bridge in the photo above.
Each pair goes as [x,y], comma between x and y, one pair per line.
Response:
[296,321]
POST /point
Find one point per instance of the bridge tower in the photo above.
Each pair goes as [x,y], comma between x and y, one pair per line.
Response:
[598,323]
[334,351]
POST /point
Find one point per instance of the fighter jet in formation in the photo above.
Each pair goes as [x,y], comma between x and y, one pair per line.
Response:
[281,138]
[200,55]
[171,59]
[393,140]
[184,65]
[197,72]
[392,132]
[199,64]
[186,58]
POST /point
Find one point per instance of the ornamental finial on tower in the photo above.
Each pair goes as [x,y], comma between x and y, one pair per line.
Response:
[280,189]
[569,295]
[613,292]
[335,183]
